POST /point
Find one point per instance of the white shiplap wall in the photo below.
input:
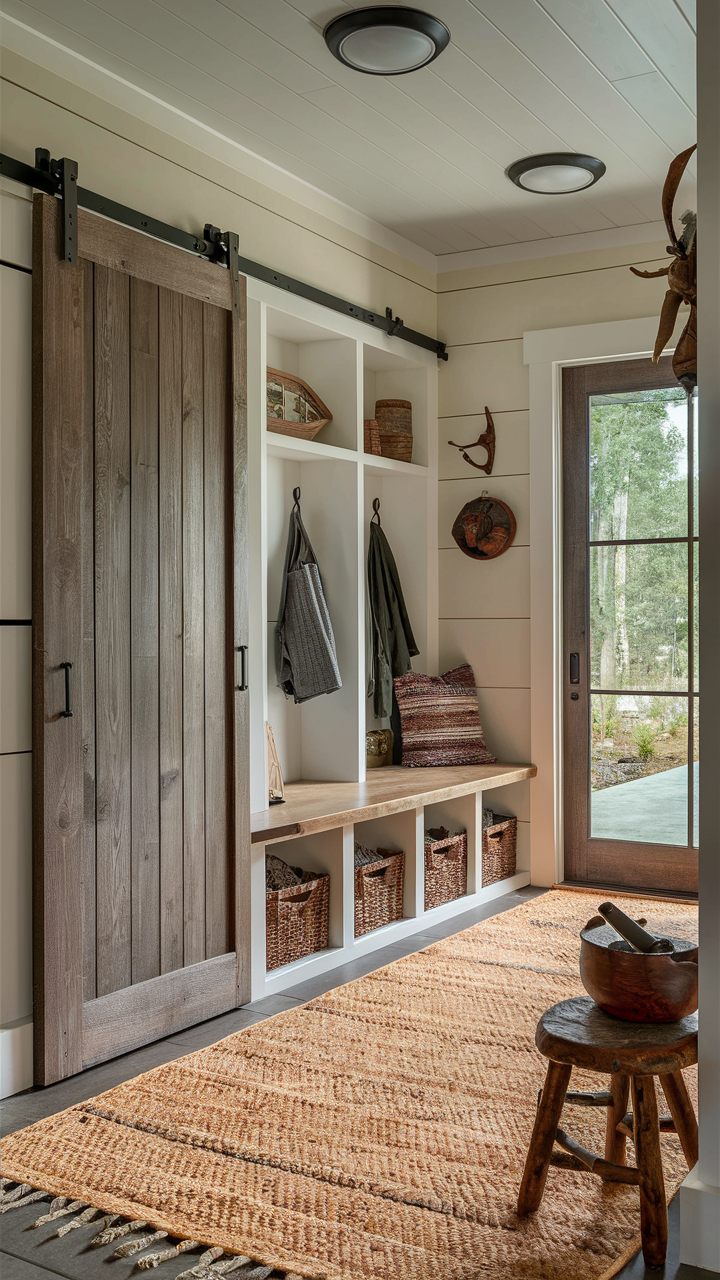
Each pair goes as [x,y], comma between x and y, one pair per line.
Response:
[485,608]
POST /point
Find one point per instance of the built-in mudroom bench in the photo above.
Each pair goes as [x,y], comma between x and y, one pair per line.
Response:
[317,827]
[330,801]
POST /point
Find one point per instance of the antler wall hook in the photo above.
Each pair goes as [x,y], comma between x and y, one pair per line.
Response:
[682,279]
[487,440]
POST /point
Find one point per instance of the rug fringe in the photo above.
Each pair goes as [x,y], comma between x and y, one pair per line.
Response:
[213,1262]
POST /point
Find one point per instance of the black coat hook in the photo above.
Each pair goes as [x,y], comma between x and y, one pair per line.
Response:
[376,509]
[296,496]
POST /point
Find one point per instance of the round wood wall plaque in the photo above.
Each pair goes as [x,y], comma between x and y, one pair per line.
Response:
[484,528]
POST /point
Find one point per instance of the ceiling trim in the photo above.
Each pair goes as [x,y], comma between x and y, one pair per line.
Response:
[553,246]
[86,74]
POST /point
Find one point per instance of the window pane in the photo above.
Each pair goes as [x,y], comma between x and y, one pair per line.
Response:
[639,617]
[639,769]
[638,465]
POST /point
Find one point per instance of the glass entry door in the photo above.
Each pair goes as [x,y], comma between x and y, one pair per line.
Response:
[630,688]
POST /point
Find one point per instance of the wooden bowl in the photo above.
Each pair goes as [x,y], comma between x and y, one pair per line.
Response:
[659,987]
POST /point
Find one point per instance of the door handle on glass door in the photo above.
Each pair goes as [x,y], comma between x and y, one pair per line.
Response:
[574,668]
[242,650]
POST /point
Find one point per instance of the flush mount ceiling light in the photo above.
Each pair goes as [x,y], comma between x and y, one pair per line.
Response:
[556,173]
[388,41]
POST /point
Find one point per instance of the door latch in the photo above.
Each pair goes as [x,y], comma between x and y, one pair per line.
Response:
[242,650]
[67,668]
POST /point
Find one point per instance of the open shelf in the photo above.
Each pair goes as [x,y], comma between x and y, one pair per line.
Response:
[324,359]
[375,465]
[292,450]
[389,375]
[321,743]
[319,738]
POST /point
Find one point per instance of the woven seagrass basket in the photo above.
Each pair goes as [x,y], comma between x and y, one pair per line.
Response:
[445,869]
[499,849]
[379,891]
[296,919]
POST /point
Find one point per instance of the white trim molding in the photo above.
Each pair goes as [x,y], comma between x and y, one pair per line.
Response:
[700,1193]
[552,246]
[16,1056]
[547,352]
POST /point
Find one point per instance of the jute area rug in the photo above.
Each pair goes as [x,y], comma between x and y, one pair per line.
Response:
[376,1133]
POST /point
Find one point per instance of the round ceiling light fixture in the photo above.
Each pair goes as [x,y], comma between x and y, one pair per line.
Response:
[557,173]
[387,41]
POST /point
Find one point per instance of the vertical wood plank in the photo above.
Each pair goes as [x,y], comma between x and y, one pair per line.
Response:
[112,628]
[58,334]
[145,768]
[216,406]
[170,674]
[239,556]
[193,556]
[87,569]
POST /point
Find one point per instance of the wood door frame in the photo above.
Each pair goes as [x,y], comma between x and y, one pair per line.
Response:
[592,860]
[546,352]
[70,1034]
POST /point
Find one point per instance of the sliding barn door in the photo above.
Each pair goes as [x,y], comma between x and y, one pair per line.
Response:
[140,735]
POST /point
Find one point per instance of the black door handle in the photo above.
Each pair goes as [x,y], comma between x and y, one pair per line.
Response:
[67,668]
[574,668]
[242,650]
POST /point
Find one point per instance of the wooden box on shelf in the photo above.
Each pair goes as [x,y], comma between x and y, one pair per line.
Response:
[293,408]
[499,849]
[445,868]
[394,418]
[297,919]
[371,436]
[379,891]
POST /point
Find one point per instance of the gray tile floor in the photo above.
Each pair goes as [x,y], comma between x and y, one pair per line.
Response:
[40,1255]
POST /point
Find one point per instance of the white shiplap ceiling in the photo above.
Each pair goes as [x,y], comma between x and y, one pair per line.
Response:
[422,154]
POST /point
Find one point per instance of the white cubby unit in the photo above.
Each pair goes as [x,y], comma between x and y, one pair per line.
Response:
[321,743]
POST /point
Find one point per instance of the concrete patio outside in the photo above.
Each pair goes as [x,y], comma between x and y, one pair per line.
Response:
[650,810]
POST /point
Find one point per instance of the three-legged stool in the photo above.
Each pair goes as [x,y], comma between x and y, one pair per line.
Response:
[576,1033]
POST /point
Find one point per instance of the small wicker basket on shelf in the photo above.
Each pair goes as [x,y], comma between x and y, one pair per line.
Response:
[297,919]
[445,868]
[499,849]
[379,891]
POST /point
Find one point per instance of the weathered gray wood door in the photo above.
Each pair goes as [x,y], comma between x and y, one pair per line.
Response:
[141,824]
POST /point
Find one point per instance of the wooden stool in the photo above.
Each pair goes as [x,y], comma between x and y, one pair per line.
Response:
[576,1033]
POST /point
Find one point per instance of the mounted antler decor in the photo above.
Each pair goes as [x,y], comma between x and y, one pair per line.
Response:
[682,279]
[487,440]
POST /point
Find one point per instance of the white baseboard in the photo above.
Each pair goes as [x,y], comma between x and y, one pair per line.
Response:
[699,1223]
[16,1057]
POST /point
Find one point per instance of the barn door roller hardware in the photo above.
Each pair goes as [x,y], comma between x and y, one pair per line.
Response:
[64,174]
[59,178]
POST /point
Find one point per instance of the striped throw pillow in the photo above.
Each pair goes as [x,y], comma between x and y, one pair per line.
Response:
[440,719]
